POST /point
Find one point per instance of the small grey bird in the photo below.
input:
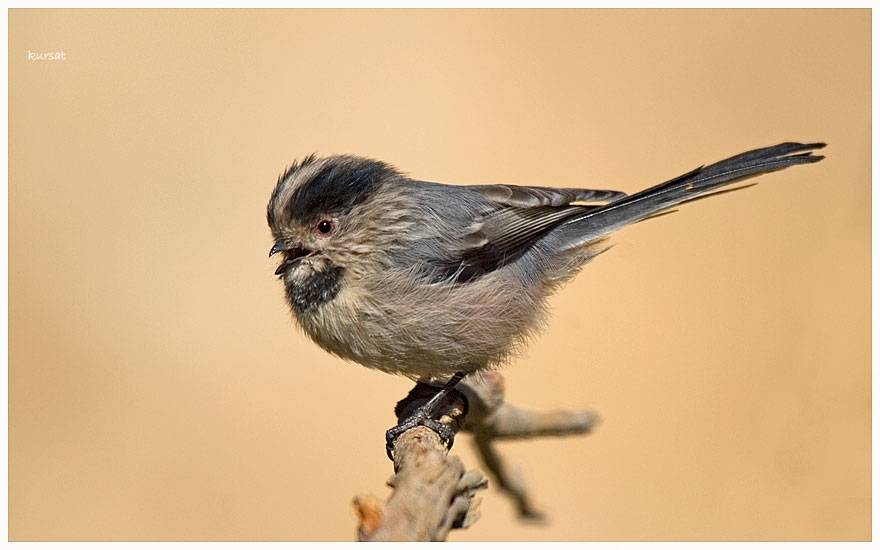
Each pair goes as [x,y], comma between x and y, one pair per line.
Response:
[435,281]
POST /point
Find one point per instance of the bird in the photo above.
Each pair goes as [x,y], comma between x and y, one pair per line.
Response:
[435,281]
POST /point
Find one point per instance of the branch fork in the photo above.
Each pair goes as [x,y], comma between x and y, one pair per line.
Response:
[432,492]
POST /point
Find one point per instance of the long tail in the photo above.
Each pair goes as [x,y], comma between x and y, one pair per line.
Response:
[696,184]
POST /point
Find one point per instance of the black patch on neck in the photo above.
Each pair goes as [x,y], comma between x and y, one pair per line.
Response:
[320,288]
[340,185]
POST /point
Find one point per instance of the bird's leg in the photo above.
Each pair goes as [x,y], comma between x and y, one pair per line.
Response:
[423,416]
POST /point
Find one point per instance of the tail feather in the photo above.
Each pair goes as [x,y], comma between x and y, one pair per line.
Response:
[696,184]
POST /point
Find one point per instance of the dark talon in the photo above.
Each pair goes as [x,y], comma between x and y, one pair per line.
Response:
[446,433]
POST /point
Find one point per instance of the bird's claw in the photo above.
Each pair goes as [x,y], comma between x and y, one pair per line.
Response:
[445,431]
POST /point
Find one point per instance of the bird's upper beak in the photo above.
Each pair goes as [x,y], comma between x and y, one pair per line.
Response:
[279,246]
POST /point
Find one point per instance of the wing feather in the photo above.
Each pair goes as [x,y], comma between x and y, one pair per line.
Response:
[522,196]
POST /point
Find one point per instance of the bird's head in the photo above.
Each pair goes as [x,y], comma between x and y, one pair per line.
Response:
[328,222]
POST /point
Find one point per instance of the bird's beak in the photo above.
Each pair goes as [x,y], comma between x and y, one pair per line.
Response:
[279,246]
[294,253]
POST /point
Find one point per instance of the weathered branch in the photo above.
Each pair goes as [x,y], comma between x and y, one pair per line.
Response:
[432,492]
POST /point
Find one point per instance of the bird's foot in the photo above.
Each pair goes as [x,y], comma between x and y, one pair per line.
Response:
[434,403]
[420,418]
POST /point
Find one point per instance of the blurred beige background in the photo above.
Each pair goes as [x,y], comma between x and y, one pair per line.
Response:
[158,389]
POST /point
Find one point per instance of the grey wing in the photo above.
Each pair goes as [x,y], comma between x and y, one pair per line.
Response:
[523,216]
[499,238]
[490,226]
[522,196]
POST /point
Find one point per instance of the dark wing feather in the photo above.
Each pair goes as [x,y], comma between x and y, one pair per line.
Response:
[502,237]
[521,216]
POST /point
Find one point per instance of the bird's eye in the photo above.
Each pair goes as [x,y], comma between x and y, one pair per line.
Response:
[325,227]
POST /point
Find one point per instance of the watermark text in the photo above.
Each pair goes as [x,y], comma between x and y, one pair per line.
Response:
[47,56]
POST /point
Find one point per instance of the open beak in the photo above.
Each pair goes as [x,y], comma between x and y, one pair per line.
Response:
[294,254]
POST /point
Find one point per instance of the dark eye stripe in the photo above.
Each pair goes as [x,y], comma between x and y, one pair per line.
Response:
[337,187]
